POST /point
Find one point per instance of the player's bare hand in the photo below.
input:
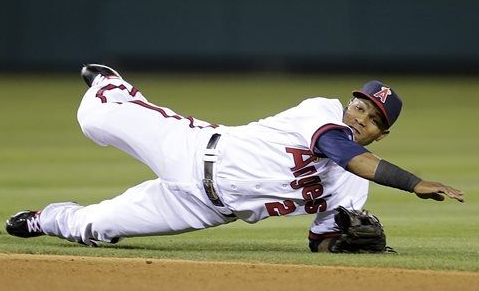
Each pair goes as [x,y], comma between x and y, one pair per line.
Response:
[436,191]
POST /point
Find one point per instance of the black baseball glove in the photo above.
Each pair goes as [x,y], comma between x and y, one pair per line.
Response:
[360,232]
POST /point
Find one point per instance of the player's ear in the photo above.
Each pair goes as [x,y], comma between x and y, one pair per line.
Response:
[383,135]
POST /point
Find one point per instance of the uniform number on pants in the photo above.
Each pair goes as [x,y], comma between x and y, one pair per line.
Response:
[280,208]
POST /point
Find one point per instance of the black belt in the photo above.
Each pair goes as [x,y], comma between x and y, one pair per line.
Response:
[208,180]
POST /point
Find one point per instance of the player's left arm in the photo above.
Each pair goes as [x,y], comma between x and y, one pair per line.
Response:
[338,146]
[370,167]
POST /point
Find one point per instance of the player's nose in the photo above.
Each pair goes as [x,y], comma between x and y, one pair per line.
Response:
[361,120]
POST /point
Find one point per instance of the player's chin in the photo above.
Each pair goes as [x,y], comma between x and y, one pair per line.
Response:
[361,141]
[357,137]
[365,140]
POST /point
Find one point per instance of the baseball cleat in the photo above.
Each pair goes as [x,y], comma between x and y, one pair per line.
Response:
[90,71]
[24,224]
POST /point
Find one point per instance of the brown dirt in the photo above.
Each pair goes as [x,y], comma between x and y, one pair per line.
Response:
[41,272]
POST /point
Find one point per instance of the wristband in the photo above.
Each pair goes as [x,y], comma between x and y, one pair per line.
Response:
[388,174]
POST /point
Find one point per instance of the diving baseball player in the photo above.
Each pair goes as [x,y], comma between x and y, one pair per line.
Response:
[309,159]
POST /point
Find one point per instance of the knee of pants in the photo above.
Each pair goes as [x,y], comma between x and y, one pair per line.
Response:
[91,125]
[100,229]
[86,113]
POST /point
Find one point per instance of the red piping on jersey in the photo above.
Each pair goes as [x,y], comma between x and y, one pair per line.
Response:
[323,129]
[100,93]
[165,115]
[315,236]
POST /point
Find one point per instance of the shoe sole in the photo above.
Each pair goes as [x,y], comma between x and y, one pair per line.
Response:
[102,66]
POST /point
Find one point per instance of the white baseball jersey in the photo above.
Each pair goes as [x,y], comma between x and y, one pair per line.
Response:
[267,168]
[262,169]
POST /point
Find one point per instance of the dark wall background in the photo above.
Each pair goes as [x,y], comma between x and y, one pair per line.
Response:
[307,35]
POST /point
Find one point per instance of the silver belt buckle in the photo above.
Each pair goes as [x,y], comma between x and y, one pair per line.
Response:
[210,189]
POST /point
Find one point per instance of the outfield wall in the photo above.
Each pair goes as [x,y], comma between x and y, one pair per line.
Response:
[438,35]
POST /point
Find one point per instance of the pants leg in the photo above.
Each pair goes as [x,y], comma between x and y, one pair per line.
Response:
[114,113]
[151,208]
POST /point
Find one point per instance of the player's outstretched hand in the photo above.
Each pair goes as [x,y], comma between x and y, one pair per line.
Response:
[436,191]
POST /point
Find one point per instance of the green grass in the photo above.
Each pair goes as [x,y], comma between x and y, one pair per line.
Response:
[45,158]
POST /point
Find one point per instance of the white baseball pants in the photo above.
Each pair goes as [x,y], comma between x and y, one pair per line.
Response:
[114,113]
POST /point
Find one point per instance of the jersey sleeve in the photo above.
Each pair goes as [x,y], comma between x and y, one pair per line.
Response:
[334,142]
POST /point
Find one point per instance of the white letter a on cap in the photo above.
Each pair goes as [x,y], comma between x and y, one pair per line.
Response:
[383,94]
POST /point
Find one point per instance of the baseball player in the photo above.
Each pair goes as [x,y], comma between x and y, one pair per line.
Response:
[309,159]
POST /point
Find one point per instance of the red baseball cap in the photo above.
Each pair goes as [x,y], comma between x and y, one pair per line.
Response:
[385,99]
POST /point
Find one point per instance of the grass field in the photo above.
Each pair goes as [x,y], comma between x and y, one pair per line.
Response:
[45,158]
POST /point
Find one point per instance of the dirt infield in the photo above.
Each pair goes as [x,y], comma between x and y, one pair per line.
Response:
[35,272]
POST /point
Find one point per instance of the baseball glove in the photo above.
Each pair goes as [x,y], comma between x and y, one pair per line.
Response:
[361,232]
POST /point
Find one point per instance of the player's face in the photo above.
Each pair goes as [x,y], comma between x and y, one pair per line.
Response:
[364,118]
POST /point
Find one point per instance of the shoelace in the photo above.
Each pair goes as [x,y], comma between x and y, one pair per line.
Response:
[33,224]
